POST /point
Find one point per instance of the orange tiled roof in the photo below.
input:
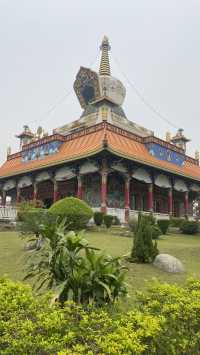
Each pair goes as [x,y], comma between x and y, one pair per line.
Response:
[92,143]
[133,150]
[70,150]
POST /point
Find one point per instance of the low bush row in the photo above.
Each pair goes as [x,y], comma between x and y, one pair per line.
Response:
[165,321]
[106,219]
[161,227]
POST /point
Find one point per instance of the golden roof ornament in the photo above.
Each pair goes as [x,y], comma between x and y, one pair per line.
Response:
[197,155]
[8,151]
[180,140]
[104,113]
[40,132]
[105,64]
[168,137]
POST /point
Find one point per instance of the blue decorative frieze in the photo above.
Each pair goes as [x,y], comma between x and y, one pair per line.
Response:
[41,151]
[162,153]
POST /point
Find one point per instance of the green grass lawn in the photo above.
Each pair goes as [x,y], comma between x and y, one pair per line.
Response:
[186,248]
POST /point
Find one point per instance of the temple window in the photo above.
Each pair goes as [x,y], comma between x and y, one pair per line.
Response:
[91,189]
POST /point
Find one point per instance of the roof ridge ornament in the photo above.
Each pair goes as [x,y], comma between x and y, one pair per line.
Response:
[105,64]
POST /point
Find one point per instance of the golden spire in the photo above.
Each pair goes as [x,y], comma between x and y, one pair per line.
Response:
[105,65]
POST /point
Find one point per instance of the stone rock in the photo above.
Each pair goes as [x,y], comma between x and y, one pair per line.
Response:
[168,263]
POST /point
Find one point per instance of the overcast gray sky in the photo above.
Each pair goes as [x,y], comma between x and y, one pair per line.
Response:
[44,42]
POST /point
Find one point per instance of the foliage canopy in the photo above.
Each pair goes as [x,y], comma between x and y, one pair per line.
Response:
[76,212]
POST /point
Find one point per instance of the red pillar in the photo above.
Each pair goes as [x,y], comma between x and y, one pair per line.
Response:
[150,197]
[186,203]
[127,198]
[80,187]
[170,201]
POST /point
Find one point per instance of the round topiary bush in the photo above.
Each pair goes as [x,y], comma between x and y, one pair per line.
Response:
[189,227]
[98,218]
[163,224]
[76,212]
[108,219]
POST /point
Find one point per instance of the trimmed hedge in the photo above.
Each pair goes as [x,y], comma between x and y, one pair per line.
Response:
[144,250]
[189,227]
[108,219]
[176,222]
[26,206]
[98,218]
[164,321]
[76,212]
[116,221]
[163,225]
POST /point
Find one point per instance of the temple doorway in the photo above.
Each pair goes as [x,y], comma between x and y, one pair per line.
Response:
[45,192]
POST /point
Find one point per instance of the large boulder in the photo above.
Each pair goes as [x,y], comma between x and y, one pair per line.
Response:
[168,263]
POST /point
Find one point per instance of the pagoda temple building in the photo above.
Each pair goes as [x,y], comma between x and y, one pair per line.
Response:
[103,158]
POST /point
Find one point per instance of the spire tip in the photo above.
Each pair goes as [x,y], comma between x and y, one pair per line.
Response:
[105,65]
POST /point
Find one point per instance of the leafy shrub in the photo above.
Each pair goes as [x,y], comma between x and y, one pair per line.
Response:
[189,227]
[163,225]
[133,223]
[76,212]
[98,218]
[68,264]
[144,250]
[116,221]
[166,320]
[180,310]
[25,206]
[150,219]
[176,222]
[31,220]
[36,225]
[156,232]
[108,219]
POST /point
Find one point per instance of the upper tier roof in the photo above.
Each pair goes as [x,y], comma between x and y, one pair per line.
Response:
[98,138]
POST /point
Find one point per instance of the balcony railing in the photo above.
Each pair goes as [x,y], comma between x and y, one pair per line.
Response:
[8,213]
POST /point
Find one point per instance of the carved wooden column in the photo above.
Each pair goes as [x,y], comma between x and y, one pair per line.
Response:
[18,194]
[104,182]
[3,198]
[186,202]
[80,187]
[55,190]
[150,197]
[35,190]
[170,201]
[127,197]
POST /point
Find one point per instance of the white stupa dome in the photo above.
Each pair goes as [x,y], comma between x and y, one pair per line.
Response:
[112,88]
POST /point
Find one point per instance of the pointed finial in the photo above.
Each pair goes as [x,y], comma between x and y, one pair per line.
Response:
[8,151]
[168,137]
[105,65]
[197,155]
